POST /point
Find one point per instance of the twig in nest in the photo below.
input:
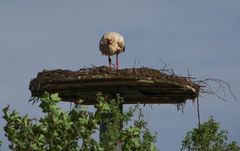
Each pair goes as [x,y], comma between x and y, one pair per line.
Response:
[180,106]
[33,100]
[221,84]
[165,64]
[164,68]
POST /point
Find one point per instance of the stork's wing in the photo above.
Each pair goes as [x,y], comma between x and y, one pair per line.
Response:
[121,45]
[102,47]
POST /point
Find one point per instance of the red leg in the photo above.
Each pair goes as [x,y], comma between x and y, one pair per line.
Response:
[117,60]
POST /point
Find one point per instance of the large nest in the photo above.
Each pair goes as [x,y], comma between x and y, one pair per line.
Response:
[136,85]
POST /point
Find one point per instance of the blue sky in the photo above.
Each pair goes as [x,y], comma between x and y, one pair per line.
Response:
[199,36]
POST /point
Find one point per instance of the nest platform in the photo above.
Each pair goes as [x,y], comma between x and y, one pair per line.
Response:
[135,85]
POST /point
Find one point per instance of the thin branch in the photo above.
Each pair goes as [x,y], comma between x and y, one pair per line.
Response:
[221,85]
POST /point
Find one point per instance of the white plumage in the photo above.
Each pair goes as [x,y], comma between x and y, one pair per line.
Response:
[112,43]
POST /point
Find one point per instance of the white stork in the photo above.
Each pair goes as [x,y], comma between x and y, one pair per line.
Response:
[112,43]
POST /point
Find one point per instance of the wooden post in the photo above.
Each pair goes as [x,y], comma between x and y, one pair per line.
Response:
[103,126]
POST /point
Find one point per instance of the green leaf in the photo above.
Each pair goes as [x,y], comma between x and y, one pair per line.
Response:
[55,97]
[153,147]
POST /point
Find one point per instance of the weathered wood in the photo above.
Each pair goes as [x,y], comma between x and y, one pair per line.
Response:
[134,89]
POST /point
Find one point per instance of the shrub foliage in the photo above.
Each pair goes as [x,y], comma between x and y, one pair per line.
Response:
[208,137]
[59,130]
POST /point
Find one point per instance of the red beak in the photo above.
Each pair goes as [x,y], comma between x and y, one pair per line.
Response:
[109,41]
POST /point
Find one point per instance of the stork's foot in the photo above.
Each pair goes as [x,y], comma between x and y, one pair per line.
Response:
[112,66]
